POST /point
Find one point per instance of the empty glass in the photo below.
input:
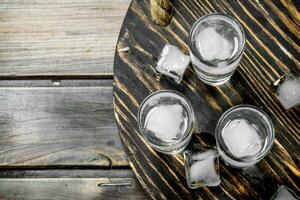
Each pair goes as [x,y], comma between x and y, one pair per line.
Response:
[216,46]
[166,120]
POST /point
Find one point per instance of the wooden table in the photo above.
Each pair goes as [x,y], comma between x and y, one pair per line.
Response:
[272,49]
[58,137]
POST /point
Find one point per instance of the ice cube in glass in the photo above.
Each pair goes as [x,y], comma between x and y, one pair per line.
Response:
[216,46]
[244,135]
[166,120]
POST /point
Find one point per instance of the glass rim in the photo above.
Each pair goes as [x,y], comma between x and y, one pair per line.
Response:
[191,123]
[254,158]
[233,58]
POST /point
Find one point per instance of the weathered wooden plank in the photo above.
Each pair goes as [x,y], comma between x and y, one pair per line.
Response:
[70,184]
[56,83]
[59,37]
[66,173]
[272,49]
[58,126]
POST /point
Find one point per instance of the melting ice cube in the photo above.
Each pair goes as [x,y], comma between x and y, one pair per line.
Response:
[213,45]
[289,93]
[166,122]
[241,138]
[202,168]
[283,193]
[172,63]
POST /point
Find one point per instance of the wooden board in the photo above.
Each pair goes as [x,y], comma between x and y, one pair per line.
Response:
[69,184]
[58,137]
[272,49]
[61,37]
[46,124]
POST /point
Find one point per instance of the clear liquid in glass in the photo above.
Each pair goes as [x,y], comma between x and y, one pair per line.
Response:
[166,120]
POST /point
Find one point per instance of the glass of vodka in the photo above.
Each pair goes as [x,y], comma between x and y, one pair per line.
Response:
[244,135]
[216,46]
[166,120]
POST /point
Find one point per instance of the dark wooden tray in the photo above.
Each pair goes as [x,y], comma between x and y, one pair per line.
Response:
[272,49]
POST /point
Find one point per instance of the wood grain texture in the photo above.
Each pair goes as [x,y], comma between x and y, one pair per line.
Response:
[61,37]
[272,49]
[70,184]
[46,125]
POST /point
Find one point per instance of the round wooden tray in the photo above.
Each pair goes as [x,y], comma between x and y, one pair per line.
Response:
[272,49]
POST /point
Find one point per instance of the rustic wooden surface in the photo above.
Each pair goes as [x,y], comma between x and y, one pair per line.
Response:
[48,128]
[58,136]
[59,126]
[272,49]
[69,184]
[60,37]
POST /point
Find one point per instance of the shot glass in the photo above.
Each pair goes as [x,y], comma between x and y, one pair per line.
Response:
[216,46]
[166,120]
[244,135]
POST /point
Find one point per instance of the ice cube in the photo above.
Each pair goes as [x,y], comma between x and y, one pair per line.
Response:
[241,138]
[172,63]
[202,168]
[284,193]
[165,121]
[289,92]
[213,45]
